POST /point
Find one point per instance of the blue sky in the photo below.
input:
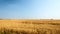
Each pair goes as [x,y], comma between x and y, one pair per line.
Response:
[29,9]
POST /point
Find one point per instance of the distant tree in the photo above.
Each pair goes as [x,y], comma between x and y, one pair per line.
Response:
[1,19]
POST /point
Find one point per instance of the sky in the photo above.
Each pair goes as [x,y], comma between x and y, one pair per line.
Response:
[30,9]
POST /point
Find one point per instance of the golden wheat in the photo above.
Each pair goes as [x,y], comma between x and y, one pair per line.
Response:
[29,26]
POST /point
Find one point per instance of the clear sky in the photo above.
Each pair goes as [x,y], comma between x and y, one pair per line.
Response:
[29,9]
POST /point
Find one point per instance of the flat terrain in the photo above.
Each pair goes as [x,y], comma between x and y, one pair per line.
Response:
[30,26]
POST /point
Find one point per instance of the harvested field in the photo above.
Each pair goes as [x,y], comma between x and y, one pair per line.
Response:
[29,26]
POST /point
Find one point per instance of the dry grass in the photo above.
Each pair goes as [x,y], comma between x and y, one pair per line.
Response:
[29,26]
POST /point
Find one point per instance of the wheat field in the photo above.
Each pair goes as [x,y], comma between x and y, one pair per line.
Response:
[29,26]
